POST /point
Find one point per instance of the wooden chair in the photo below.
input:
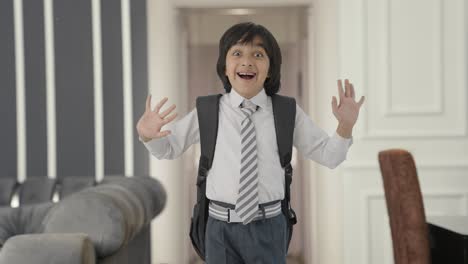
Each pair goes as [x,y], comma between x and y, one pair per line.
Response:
[405,207]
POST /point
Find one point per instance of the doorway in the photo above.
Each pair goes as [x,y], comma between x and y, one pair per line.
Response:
[203,28]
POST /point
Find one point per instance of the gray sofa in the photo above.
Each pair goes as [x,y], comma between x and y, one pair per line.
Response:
[104,223]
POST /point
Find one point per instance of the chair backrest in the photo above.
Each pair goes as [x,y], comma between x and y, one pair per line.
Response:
[405,207]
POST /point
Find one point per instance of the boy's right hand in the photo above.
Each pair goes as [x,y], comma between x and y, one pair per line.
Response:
[150,123]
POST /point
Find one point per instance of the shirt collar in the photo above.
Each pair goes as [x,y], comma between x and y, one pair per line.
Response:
[260,99]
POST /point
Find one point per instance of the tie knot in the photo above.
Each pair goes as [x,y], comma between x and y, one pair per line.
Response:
[248,108]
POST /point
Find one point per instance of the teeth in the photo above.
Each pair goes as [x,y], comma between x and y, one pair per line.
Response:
[247,73]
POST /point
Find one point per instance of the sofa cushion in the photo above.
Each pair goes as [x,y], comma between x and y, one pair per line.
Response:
[73,184]
[7,187]
[37,189]
[22,220]
[7,224]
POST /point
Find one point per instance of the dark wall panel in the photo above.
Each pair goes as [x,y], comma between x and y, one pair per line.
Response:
[8,159]
[140,79]
[112,87]
[74,88]
[35,86]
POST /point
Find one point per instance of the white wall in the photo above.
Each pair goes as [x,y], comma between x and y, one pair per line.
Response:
[164,75]
[409,58]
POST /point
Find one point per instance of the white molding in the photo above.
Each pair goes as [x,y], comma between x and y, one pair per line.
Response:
[392,134]
[371,133]
[127,87]
[50,88]
[20,91]
[387,243]
[367,196]
[437,109]
[98,91]
[461,195]
[368,165]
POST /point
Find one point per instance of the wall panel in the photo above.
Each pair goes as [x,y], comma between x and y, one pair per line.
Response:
[35,88]
[112,87]
[8,156]
[74,88]
[140,80]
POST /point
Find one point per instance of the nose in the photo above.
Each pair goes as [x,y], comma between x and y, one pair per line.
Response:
[247,62]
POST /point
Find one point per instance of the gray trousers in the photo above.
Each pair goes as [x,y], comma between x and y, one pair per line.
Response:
[259,242]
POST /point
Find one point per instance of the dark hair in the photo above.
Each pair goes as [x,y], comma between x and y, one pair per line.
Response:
[245,33]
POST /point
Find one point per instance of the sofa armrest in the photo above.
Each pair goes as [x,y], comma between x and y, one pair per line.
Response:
[48,249]
[111,214]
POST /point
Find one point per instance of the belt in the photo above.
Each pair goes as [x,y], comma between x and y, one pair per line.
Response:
[225,212]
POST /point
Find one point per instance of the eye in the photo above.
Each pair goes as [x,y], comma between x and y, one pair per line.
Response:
[258,54]
[236,53]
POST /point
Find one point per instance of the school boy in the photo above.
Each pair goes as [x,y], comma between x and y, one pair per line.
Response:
[246,172]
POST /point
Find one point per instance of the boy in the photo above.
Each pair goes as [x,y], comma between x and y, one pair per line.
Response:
[246,173]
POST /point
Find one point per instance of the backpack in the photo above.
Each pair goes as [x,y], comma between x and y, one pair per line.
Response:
[284,112]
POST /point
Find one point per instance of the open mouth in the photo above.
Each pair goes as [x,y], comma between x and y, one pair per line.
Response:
[246,75]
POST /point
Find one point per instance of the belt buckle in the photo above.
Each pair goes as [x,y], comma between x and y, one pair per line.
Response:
[233,217]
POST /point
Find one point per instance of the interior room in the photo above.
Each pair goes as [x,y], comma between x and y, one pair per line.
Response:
[79,182]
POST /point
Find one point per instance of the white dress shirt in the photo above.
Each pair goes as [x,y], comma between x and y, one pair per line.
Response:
[223,177]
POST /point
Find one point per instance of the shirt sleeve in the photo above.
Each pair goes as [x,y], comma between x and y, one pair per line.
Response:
[184,133]
[315,144]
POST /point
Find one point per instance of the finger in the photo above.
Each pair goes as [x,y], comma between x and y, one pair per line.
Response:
[170,118]
[148,103]
[160,104]
[163,133]
[168,111]
[361,101]
[353,94]
[340,90]
[334,105]
[347,88]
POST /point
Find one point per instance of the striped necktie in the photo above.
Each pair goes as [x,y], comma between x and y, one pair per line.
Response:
[247,201]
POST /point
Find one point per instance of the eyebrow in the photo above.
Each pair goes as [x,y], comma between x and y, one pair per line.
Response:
[259,45]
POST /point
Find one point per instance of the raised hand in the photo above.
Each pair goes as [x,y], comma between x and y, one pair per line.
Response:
[150,123]
[347,111]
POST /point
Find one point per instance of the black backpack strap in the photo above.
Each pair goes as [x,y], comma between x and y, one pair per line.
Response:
[284,112]
[207,110]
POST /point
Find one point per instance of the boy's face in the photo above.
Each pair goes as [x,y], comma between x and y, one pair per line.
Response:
[247,67]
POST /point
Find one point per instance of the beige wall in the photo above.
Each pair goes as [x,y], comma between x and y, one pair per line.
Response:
[202,80]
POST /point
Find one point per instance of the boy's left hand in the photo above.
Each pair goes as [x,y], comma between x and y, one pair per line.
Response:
[347,111]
